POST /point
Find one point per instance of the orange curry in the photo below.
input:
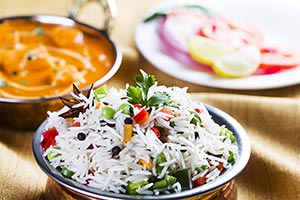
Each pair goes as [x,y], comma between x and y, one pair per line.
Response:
[44,60]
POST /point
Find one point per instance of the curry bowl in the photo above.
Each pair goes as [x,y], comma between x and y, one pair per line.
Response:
[43,55]
[222,187]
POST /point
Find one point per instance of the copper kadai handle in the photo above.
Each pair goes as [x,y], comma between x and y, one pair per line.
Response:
[58,192]
[109,8]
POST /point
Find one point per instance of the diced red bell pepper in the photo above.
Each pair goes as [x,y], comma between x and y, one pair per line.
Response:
[220,167]
[76,124]
[197,110]
[137,105]
[167,111]
[199,181]
[141,117]
[47,143]
[49,138]
[156,131]
[50,133]
[127,132]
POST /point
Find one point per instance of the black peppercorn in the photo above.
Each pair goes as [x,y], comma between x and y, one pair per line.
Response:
[128,120]
[115,151]
[81,136]
[149,110]
[196,135]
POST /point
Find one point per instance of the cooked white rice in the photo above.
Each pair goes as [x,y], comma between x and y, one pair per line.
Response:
[91,159]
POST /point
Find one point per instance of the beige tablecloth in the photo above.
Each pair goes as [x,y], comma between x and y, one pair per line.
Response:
[271,117]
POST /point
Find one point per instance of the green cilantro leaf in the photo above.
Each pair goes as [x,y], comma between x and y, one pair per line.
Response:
[139,94]
[145,81]
[158,99]
[135,95]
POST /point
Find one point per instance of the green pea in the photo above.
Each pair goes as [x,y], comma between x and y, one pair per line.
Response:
[108,112]
[126,108]
[101,92]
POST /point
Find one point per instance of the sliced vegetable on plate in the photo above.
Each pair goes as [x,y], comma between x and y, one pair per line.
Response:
[225,61]
[230,32]
[175,28]
[274,60]
[239,63]
[206,50]
[198,37]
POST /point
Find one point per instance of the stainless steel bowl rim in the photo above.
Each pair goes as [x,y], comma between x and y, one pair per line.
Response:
[218,115]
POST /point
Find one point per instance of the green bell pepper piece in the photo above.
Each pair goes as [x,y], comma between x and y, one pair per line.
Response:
[131,187]
[66,172]
[182,176]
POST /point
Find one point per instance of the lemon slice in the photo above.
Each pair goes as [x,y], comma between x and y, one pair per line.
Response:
[238,63]
[206,50]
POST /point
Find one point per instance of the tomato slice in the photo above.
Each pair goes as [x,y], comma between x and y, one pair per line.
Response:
[231,33]
[274,60]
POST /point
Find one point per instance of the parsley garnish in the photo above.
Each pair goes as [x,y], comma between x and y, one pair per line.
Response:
[39,31]
[3,84]
[158,14]
[139,94]
[159,98]
[155,15]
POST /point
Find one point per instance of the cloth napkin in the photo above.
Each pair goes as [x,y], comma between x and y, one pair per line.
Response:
[270,117]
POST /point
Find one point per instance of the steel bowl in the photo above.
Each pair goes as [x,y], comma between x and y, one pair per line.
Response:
[27,114]
[221,188]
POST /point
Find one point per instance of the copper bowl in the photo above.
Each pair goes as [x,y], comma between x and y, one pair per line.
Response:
[27,114]
[221,188]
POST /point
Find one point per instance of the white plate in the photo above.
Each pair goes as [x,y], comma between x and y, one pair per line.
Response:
[277,19]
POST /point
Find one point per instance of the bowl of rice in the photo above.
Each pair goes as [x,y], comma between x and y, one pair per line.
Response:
[142,142]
